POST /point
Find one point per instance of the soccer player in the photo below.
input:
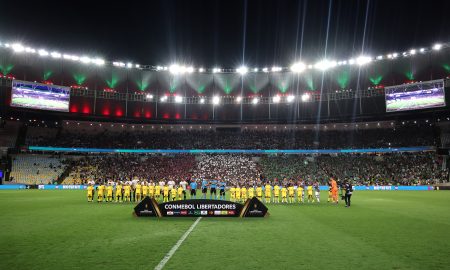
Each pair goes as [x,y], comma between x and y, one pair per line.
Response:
[291,193]
[173,193]
[204,188]
[251,192]
[157,192]
[127,192]
[300,193]
[334,190]
[268,192]
[165,194]
[171,185]
[183,185]
[181,193]
[193,185]
[348,193]
[213,187]
[284,194]
[119,192]
[244,193]
[330,195]
[317,192]
[309,189]
[90,190]
[144,189]
[232,194]
[276,193]
[222,186]
[101,190]
[238,194]
[151,189]
[138,192]
[109,193]
[259,193]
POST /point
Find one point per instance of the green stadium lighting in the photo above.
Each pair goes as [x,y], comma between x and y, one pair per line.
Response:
[376,80]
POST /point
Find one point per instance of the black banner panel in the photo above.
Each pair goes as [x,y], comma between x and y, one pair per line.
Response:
[200,208]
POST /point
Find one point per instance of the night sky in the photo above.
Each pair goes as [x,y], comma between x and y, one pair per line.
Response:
[226,33]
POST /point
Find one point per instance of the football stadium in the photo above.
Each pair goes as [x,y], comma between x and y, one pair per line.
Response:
[225,134]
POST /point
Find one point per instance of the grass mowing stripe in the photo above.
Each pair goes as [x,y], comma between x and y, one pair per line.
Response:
[176,246]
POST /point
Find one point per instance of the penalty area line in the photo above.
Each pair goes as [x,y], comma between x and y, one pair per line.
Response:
[176,246]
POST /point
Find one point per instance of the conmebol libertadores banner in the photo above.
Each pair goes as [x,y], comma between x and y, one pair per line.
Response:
[200,208]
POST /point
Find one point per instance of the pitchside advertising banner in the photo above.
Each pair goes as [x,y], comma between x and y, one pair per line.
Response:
[148,207]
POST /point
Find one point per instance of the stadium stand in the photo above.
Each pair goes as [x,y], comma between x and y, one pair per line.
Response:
[8,133]
[36,169]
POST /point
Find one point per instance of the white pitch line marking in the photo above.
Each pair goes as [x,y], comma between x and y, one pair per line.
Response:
[176,246]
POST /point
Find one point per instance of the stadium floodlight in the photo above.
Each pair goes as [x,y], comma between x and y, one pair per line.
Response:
[75,58]
[305,97]
[394,55]
[17,47]
[276,69]
[242,70]
[7,45]
[216,100]
[55,55]
[255,100]
[137,66]
[43,52]
[68,57]
[437,46]
[30,50]
[174,69]
[149,96]
[98,61]
[389,56]
[276,99]
[379,57]
[85,59]
[265,69]
[178,99]
[238,99]
[202,101]
[255,70]
[189,69]
[363,60]
[159,68]
[422,50]
[325,64]
[216,70]
[163,98]
[290,98]
[298,67]
[310,66]
[201,70]
[412,52]
[129,65]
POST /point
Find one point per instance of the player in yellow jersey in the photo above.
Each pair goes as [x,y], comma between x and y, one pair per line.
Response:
[109,193]
[165,193]
[127,192]
[284,195]
[259,193]
[276,193]
[90,193]
[300,194]
[100,193]
[309,190]
[238,194]
[181,193]
[268,192]
[138,192]
[232,194]
[244,193]
[291,193]
[119,192]
[330,195]
[144,189]
[157,192]
[173,193]
[251,192]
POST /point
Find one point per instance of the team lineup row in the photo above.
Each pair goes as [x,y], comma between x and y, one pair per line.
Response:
[267,193]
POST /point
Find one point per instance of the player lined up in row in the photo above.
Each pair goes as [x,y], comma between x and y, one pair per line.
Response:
[268,193]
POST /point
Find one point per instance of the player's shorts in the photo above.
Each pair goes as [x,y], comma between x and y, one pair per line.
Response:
[193,192]
[204,190]
[284,196]
[213,190]
[276,195]
[222,192]
[291,195]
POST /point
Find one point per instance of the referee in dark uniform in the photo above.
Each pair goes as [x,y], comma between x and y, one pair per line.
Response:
[348,193]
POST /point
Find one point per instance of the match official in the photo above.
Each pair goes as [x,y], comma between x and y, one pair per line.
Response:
[348,193]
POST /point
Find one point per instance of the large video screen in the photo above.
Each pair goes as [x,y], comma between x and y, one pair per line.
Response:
[415,96]
[40,96]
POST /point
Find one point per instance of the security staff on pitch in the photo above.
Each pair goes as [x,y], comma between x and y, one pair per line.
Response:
[348,193]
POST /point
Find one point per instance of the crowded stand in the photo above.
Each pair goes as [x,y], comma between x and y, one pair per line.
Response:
[244,139]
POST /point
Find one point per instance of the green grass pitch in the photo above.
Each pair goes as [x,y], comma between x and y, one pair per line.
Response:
[382,230]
